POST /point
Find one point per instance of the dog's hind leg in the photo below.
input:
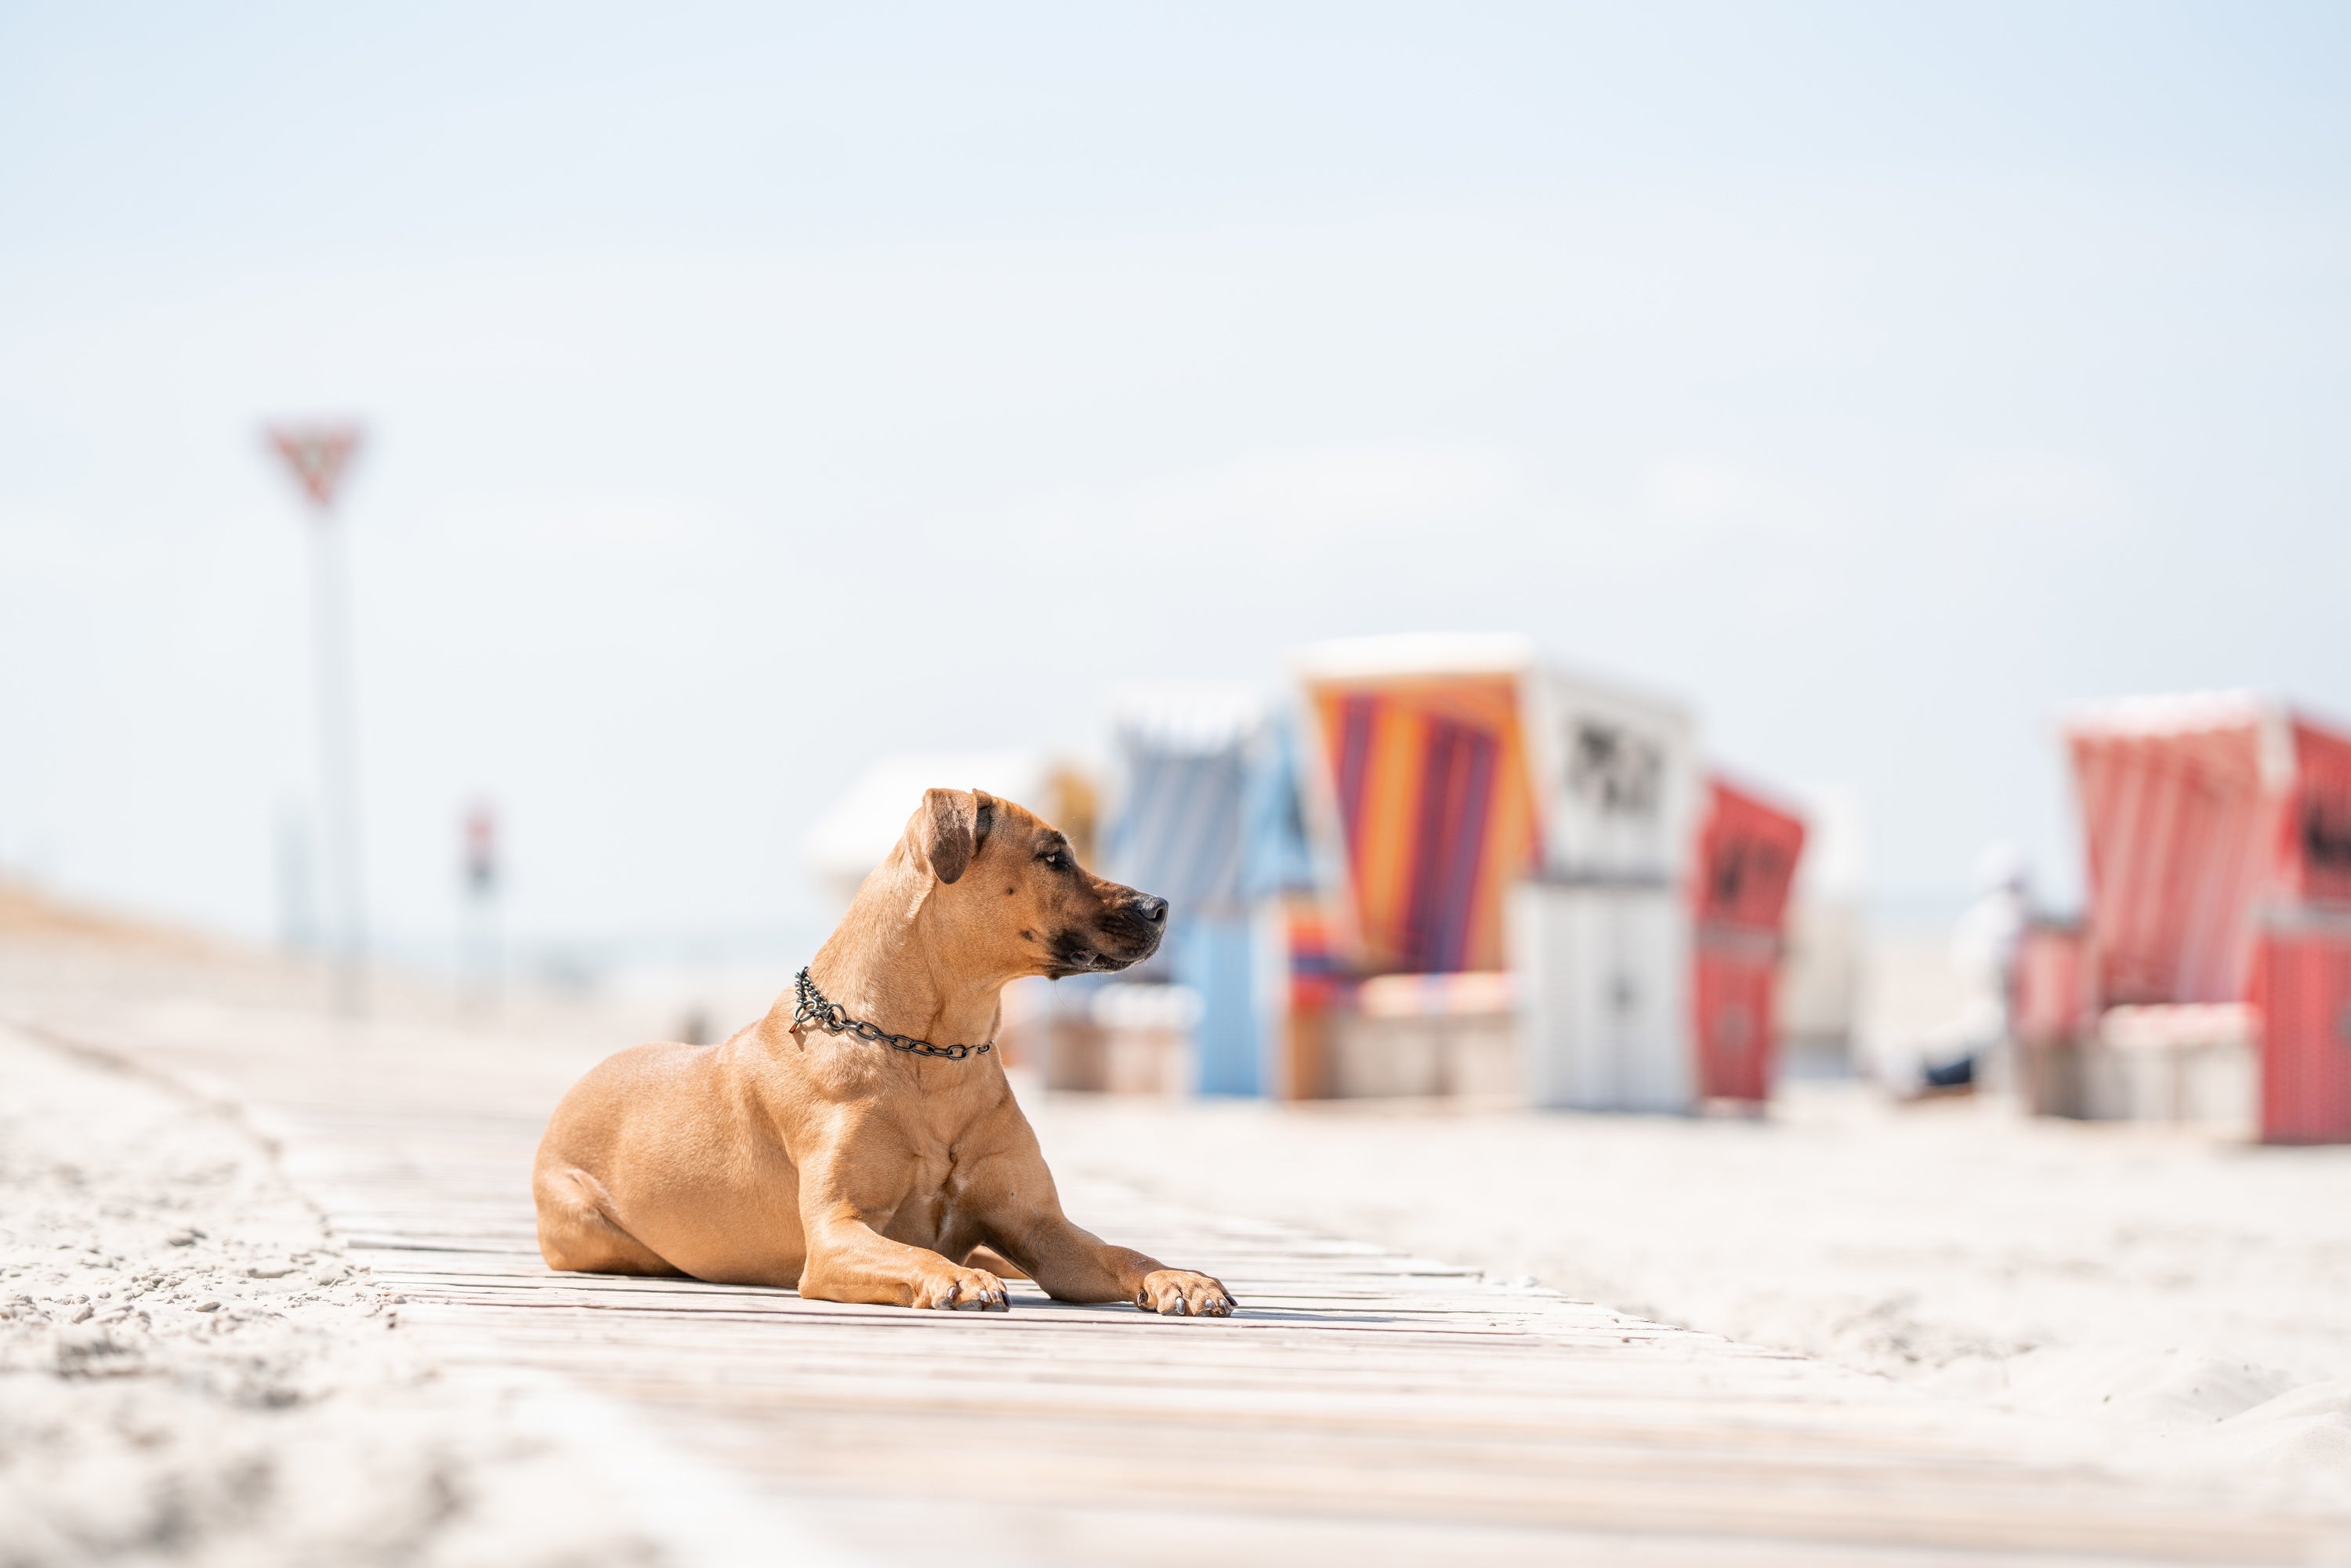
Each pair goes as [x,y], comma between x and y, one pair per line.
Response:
[578,1232]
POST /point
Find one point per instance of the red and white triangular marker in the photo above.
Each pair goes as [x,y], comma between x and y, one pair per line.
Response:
[318,454]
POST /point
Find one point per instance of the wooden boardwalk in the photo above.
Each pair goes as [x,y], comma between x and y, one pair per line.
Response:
[1364,1405]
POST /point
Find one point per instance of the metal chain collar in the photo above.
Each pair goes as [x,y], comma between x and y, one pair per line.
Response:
[828,1016]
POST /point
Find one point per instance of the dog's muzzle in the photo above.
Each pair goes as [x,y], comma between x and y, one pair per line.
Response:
[1128,933]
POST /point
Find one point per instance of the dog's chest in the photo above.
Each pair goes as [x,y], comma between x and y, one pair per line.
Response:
[927,1215]
[929,1210]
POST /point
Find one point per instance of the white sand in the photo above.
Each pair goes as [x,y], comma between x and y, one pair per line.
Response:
[192,1371]
[2160,1301]
[2152,1300]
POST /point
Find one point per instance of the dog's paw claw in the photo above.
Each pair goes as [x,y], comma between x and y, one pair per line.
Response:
[969,1290]
[1180,1293]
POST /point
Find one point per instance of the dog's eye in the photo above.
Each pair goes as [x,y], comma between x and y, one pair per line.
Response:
[1056,859]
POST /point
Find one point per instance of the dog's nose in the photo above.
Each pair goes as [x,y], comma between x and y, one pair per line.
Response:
[1152,909]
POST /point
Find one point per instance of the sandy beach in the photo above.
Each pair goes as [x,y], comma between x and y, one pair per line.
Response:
[2164,1302]
[195,1370]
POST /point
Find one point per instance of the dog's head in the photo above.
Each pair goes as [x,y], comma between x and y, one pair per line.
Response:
[1008,890]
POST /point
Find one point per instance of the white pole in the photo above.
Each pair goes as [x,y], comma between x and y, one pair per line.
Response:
[298,888]
[338,784]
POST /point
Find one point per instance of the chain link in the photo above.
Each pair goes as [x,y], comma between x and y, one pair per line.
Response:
[813,1008]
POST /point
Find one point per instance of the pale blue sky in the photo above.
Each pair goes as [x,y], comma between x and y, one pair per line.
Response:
[754,392]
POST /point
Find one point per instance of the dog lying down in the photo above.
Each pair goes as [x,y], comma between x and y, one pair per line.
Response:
[859,1141]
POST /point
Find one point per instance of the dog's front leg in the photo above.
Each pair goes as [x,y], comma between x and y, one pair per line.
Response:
[1073,1264]
[1012,1192]
[849,1259]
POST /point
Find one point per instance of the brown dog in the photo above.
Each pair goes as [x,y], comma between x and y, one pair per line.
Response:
[792,1154]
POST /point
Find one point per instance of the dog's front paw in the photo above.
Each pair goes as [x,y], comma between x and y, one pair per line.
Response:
[1180,1293]
[950,1289]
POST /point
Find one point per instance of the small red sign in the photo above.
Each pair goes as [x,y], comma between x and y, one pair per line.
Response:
[318,454]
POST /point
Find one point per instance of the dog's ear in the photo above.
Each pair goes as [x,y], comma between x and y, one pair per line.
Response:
[948,830]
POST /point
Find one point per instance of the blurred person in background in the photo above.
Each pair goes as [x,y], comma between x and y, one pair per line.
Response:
[1973,1048]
